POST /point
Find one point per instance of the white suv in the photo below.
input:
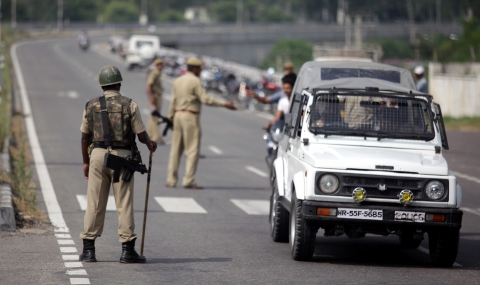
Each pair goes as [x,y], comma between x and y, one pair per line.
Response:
[362,153]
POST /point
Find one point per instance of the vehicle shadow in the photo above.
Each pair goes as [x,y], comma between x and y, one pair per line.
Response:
[188,260]
[387,252]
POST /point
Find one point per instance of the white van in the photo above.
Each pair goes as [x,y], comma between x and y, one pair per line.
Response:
[141,51]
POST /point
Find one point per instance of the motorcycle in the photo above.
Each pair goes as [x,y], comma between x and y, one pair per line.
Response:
[272,137]
[84,43]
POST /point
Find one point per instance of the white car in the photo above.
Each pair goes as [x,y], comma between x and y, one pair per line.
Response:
[362,153]
[142,50]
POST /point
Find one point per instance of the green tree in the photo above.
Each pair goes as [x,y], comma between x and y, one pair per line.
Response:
[295,51]
[466,48]
[121,11]
[224,11]
[171,16]
[273,14]
[81,10]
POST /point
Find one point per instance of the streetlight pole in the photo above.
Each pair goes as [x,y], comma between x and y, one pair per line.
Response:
[14,14]
[59,15]
[239,12]
[143,13]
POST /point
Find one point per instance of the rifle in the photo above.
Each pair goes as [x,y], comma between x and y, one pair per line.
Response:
[163,120]
[131,164]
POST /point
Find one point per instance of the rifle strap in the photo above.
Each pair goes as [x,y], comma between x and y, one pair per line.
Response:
[104,113]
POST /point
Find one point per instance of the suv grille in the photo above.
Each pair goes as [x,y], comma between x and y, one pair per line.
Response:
[395,183]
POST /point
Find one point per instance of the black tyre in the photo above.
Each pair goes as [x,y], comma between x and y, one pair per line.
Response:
[302,235]
[278,216]
[408,241]
[443,247]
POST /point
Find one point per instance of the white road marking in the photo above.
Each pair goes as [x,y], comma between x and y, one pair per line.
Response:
[48,192]
[424,250]
[471,211]
[73,264]
[63,236]
[465,176]
[79,281]
[253,207]
[82,200]
[70,257]
[256,171]
[72,94]
[180,205]
[65,241]
[76,272]
[68,249]
[215,150]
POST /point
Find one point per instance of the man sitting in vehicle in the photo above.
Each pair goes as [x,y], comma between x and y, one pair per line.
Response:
[284,103]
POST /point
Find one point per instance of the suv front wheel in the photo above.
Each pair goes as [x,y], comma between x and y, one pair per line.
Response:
[443,246]
[302,234]
[278,216]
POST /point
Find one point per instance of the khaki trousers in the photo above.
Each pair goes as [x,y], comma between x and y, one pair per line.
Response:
[99,180]
[152,127]
[186,138]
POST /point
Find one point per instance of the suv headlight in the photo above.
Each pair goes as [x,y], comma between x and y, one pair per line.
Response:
[328,183]
[435,190]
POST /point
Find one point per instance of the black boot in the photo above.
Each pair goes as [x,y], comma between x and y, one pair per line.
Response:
[88,254]
[129,255]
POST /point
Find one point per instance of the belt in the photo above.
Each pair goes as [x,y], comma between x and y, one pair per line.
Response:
[188,111]
[101,145]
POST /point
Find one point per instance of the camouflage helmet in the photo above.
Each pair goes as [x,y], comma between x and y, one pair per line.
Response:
[109,75]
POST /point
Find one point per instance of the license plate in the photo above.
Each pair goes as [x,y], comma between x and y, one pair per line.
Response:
[410,217]
[361,214]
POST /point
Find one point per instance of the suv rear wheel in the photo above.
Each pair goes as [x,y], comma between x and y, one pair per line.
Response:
[278,216]
[302,234]
[443,247]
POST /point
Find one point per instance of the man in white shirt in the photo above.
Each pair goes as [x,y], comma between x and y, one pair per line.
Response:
[283,106]
[422,84]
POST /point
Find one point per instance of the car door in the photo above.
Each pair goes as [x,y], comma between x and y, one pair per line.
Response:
[293,131]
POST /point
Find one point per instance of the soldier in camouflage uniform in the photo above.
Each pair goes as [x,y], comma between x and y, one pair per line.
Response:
[125,123]
[154,91]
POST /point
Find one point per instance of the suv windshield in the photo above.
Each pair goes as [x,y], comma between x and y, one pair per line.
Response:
[371,115]
[337,73]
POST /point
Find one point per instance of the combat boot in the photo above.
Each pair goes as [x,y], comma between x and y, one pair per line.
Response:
[88,254]
[129,255]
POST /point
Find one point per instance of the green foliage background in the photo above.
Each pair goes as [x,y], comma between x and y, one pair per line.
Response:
[225,10]
[295,51]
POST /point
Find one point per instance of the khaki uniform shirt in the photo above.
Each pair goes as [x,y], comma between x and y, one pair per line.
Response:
[137,123]
[188,94]
[357,116]
[154,81]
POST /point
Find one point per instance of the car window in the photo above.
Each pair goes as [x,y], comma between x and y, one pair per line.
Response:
[382,116]
[141,43]
[337,73]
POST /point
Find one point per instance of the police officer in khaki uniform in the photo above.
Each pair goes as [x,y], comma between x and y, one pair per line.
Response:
[124,123]
[154,91]
[187,97]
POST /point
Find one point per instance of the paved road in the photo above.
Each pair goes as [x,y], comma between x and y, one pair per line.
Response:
[221,234]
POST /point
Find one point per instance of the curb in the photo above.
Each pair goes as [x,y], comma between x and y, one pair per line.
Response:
[7,213]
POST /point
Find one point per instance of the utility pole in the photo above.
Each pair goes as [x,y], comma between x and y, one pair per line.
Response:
[14,14]
[239,12]
[438,12]
[143,13]
[59,15]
